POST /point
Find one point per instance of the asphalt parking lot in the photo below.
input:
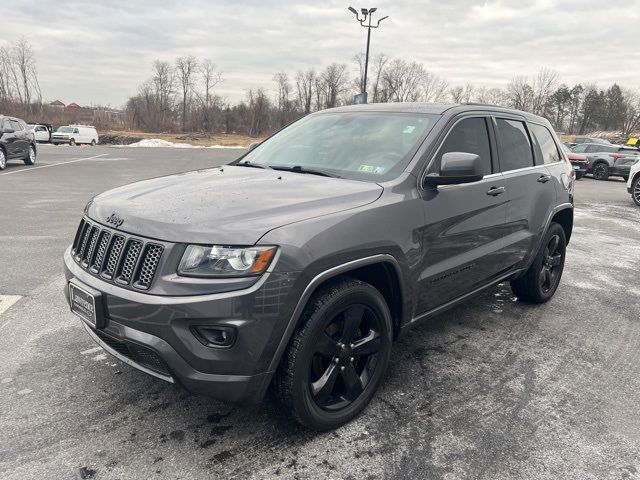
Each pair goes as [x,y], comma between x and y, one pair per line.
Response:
[492,389]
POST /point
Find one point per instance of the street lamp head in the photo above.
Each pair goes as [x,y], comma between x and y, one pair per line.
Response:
[364,11]
[351,9]
[371,10]
[382,19]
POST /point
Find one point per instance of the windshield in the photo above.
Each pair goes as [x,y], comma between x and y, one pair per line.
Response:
[371,146]
[65,129]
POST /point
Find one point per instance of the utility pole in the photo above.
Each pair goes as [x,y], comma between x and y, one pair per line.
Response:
[366,12]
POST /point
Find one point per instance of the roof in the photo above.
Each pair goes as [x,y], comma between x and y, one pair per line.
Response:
[57,103]
[432,108]
[73,105]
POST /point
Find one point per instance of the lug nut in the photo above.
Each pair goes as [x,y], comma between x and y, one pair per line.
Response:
[336,360]
[342,369]
[351,359]
[351,346]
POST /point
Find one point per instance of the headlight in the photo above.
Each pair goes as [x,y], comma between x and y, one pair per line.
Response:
[216,261]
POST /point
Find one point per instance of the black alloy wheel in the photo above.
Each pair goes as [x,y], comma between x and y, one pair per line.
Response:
[337,358]
[539,283]
[551,263]
[601,171]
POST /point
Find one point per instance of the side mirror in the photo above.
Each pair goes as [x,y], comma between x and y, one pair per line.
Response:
[456,168]
[252,146]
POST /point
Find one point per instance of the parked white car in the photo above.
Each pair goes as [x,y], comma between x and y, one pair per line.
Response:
[633,183]
[40,132]
[75,135]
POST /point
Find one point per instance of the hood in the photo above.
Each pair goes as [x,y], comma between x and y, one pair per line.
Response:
[227,205]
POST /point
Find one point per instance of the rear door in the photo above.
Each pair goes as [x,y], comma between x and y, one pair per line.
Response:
[530,187]
[462,247]
[22,138]
[9,140]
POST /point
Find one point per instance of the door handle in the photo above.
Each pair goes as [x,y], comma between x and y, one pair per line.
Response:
[494,191]
[544,178]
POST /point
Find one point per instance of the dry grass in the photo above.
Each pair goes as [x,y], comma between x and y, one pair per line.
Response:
[200,139]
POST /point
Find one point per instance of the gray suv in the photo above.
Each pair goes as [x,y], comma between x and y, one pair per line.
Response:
[294,268]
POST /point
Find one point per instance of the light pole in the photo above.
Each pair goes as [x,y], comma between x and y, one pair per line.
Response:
[362,97]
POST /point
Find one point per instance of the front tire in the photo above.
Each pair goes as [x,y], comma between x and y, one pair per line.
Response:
[635,190]
[72,143]
[3,160]
[541,280]
[338,356]
[30,159]
[601,171]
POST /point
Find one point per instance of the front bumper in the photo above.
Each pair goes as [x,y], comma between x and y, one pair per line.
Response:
[153,333]
[60,141]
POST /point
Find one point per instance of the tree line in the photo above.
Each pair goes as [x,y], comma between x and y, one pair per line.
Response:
[183,95]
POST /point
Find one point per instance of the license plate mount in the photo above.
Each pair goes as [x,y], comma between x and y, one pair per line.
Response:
[86,303]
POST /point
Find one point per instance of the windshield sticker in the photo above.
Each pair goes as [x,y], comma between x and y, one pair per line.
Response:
[409,129]
[371,169]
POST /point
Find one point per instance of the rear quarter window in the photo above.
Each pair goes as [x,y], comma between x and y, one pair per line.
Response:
[546,147]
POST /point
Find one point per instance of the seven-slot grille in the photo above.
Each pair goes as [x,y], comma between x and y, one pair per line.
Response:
[116,257]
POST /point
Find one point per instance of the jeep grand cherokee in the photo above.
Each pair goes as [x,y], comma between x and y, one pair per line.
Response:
[296,266]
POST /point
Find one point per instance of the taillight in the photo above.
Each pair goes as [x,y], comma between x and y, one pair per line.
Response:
[615,156]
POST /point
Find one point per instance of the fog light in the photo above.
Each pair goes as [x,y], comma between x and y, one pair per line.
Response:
[215,336]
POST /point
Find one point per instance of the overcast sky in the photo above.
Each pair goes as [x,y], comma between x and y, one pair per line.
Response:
[99,54]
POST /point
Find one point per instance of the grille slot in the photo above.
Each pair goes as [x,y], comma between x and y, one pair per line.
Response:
[91,246]
[129,260]
[148,267]
[116,257]
[103,243]
[113,256]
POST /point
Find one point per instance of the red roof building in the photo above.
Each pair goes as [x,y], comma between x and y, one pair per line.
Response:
[57,103]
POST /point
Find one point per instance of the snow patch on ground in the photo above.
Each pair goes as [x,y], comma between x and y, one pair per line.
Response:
[159,143]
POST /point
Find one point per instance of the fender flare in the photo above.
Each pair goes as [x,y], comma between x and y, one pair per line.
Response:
[552,213]
[315,283]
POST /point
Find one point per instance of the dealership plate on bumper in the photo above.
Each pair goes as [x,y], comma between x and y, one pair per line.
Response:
[87,304]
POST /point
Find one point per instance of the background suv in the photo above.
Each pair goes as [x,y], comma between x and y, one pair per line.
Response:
[296,266]
[16,142]
[608,160]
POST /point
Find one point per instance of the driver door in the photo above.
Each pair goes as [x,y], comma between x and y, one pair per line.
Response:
[462,238]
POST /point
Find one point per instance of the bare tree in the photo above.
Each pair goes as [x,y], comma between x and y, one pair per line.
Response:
[259,112]
[304,84]
[210,78]
[185,69]
[334,80]
[544,83]
[378,65]
[520,93]
[631,115]
[404,80]
[284,104]
[163,82]
[434,88]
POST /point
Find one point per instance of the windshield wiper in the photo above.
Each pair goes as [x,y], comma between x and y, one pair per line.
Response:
[247,163]
[310,171]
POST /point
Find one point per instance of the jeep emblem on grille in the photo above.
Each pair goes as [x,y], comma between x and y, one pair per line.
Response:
[115,220]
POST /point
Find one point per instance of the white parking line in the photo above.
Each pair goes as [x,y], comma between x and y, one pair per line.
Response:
[5,302]
[53,164]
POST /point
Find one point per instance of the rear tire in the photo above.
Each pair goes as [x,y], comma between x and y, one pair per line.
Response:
[541,280]
[337,358]
[601,171]
[30,159]
[93,143]
[635,190]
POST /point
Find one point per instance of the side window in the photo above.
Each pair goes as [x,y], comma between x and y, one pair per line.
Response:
[515,147]
[545,145]
[579,149]
[6,124]
[16,125]
[470,136]
[75,130]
